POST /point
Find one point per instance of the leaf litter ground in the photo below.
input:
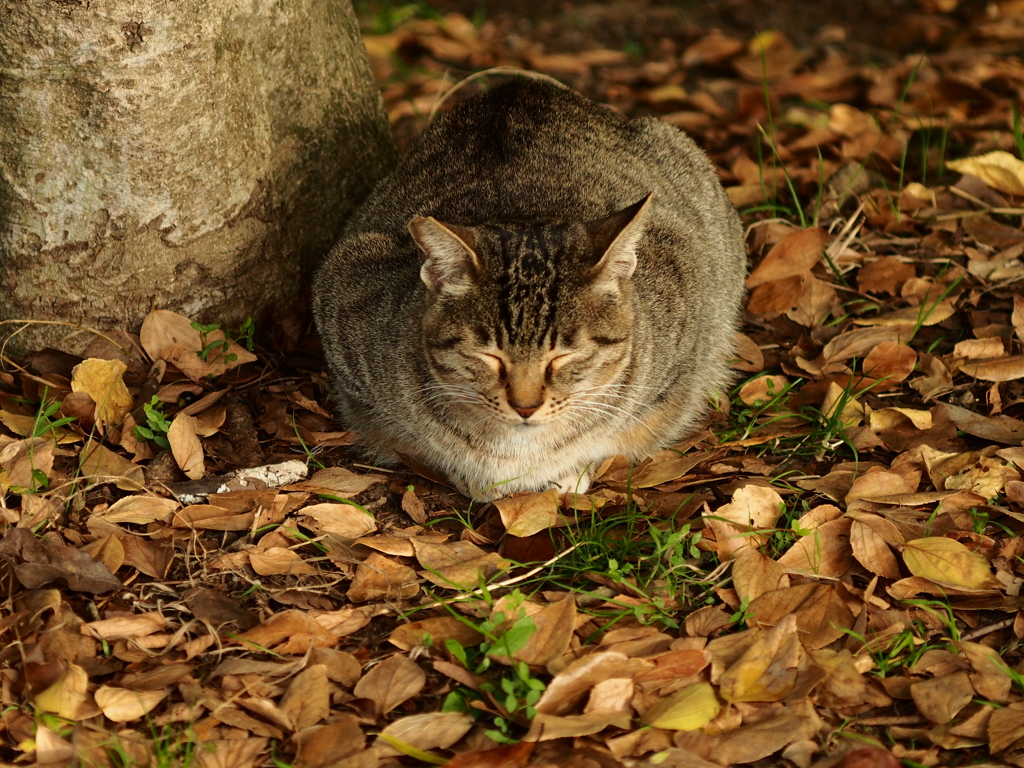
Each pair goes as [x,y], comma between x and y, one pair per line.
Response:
[199,570]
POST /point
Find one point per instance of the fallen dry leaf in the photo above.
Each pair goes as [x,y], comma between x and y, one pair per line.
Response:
[999,169]
[186,446]
[103,381]
[391,682]
[123,705]
[946,561]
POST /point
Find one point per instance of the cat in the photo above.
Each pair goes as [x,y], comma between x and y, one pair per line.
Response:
[540,284]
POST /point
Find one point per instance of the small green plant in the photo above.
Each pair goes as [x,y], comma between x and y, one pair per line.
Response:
[217,349]
[212,347]
[514,693]
[156,425]
[378,17]
[44,420]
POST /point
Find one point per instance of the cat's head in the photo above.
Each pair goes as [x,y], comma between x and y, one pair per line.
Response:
[530,325]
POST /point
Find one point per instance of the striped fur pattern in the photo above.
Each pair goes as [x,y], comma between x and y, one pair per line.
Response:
[539,285]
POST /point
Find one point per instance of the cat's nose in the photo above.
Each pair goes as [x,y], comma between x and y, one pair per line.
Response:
[526,411]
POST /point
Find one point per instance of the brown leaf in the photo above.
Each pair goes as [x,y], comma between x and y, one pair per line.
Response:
[307,700]
[414,507]
[432,730]
[555,624]
[153,558]
[213,606]
[1006,727]
[777,295]
[754,574]
[390,683]
[289,632]
[337,481]
[330,744]
[570,685]
[39,561]
[884,275]
[280,561]
[21,460]
[941,698]
[825,551]
[342,519]
[379,577]
[458,565]
[123,705]
[750,743]
[101,465]
[140,509]
[107,551]
[231,753]
[525,515]
[1000,369]
[999,429]
[869,538]
[794,255]
[890,362]
[186,446]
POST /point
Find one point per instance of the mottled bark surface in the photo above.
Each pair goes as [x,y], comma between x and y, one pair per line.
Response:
[192,156]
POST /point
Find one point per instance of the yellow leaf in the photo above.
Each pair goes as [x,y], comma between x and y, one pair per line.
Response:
[67,693]
[999,169]
[102,381]
[948,562]
[687,710]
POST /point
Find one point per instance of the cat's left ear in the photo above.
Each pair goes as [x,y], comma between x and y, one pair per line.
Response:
[450,265]
[616,237]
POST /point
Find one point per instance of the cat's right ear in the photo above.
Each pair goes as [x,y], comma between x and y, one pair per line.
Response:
[449,262]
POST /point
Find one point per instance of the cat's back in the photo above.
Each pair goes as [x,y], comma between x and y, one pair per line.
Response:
[532,151]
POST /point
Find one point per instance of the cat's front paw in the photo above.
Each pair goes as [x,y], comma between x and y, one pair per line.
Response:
[574,483]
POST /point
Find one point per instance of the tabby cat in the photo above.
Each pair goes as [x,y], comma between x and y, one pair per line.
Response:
[540,284]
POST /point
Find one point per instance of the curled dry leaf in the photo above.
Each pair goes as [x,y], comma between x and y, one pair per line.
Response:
[186,446]
[999,169]
[123,705]
[767,670]
[103,381]
[391,682]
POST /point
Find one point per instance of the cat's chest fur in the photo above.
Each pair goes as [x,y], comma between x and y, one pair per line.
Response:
[540,284]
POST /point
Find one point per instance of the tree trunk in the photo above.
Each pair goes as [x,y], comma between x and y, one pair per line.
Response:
[195,156]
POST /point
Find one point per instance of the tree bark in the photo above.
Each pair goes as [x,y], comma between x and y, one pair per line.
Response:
[195,156]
